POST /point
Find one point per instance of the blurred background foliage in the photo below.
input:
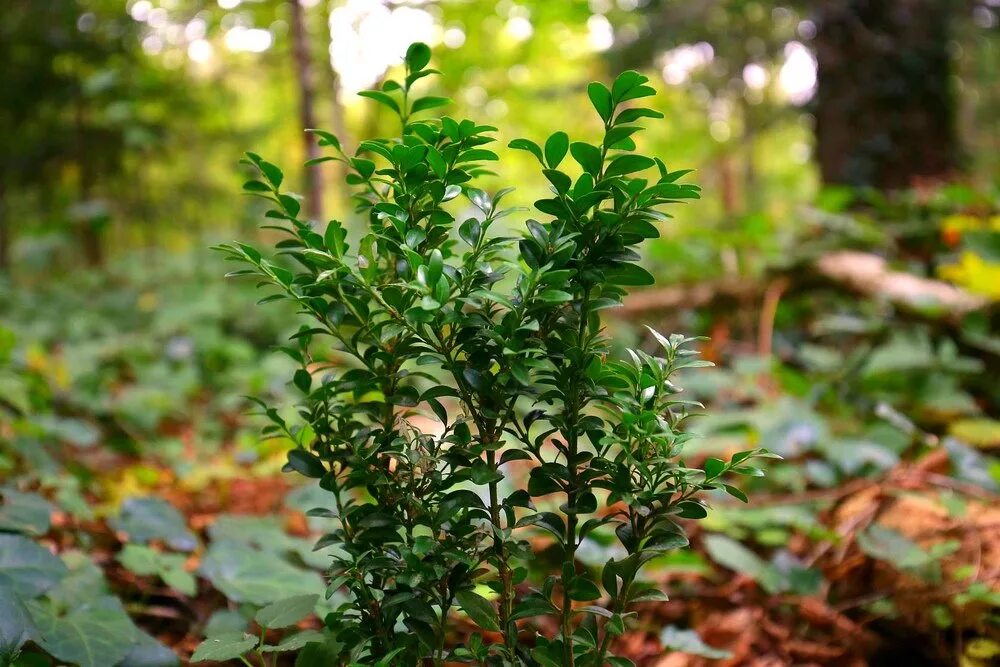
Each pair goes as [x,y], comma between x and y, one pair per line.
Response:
[844,259]
[122,124]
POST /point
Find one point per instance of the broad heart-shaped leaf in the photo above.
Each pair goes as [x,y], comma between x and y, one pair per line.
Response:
[24,512]
[16,625]
[83,584]
[731,554]
[296,641]
[28,568]
[224,647]
[145,519]
[268,534]
[148,652]
[690,642]
[479,610]
[289,611]
[893,547]
[225,621]
[97,634]
[245,574]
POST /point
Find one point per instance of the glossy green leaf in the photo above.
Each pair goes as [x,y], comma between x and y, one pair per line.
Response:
[479,610]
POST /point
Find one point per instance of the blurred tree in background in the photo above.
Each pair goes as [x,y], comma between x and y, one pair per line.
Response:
[886,105]
[115,108]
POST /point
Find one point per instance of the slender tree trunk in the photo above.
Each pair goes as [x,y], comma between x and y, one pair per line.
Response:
[307,100]
[88,227]
[338,123]
[5,237]
[91,221]
[884,108]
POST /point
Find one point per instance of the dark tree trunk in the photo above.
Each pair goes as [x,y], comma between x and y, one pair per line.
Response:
[884,107]
[338,124]
[307,100]
[5,239]
[88,226]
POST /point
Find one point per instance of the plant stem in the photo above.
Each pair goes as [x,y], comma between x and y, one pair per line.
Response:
[606,641]
[442,634]
[572,493]
[503,569]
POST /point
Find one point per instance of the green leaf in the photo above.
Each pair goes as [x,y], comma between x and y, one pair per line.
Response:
[24,512]
[600,97]
[382,98]
[256,186]
[306,463]
[289,611]
[180,580]
[94,635]
[713,468]
[476,379]
[225,621]
[533,606]
[736,493]
[628,275]
[16,624]
[690,642]
[27,568]
[425,103]
[893,547]
[224,647]
[554,296]
[625,82]
[319,654]
[244,574]
[627,164]
[417,56]
[479,610]
[139,559]
[270,171]
[148,652]
[555,149]
[146,519]
[559,180]
[435,267]
[296,641]
[303,380]
[632,115]
[582,589]
[326,138]
[587,156]
[527,145]
[733,555]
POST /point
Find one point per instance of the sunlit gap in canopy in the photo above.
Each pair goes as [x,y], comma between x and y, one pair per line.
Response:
[796,70]
[367,37]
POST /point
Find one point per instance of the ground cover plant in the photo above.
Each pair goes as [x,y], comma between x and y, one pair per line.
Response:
[500,340]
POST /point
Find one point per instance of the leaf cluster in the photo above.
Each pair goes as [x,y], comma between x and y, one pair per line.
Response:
[443,355]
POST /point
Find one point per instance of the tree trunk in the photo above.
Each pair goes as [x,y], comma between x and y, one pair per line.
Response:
[884,106]
[307,98]
[338,125]
[5,237]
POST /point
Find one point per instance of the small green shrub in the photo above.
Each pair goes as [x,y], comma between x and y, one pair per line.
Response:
[499,339]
